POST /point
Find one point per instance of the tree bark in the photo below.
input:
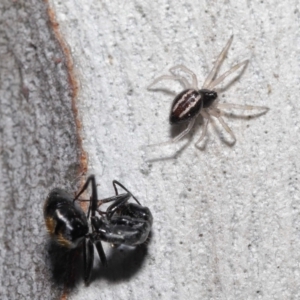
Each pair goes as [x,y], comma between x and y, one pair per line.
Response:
[39,144]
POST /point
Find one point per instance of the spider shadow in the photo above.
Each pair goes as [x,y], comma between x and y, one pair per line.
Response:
[123,263]
[174,131]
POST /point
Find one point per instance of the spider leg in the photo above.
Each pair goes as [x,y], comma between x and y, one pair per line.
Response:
[217,64]
[226,74]
[242,107]
[178,137]
[88,257]
[218,114]
[226,127]
[188,71]
[182,80]
[206,119]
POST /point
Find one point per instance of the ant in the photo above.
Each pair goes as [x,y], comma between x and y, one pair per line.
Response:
[121,223]
[192,101]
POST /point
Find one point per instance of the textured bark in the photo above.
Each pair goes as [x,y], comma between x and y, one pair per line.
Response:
[39,145]
[226,219]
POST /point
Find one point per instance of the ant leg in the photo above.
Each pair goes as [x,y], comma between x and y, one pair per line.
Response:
[119,202]
[217,64]
[242,107]
[110,199]
[188,71]
[115,182]
[90,178]
[226,74]
[178,137]
[88,256]
[204,130]
[182,80]
[94,197]
[84,259]
[101,252]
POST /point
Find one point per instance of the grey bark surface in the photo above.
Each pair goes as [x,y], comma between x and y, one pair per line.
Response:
[38,145]
[226,219]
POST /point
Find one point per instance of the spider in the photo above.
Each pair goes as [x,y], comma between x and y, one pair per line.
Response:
[121,223]
[192,101]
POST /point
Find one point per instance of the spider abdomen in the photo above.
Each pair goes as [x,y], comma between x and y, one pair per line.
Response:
[186,106]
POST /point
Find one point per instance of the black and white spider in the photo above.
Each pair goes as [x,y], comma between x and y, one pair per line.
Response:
[192,101]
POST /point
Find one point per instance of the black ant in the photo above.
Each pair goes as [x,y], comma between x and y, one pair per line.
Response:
[121,223]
